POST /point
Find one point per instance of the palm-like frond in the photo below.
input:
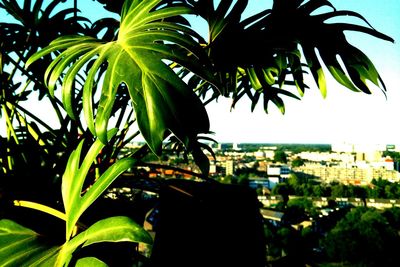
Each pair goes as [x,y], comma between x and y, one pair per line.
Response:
[138,59]
[258,55]
[313,32]
[35,24]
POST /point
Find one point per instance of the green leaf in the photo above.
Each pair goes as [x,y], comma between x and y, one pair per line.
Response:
[147,42]
[113,229]
[279,104]
[90,262]
[255,82]
[20,246]
[361,69]
[201,160]
[273,38]
[316,69]
[74,177]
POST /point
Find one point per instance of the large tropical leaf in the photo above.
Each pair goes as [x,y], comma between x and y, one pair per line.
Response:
[307,26]
[139,59]
[269,43]
[261,65]
[35,25]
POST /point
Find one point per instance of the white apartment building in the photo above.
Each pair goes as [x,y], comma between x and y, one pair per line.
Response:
[350,163]
[326,157]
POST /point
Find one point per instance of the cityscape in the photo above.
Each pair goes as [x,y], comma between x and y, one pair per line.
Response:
[307,193]
[273,163]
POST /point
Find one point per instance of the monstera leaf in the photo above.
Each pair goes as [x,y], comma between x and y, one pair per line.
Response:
[148,41]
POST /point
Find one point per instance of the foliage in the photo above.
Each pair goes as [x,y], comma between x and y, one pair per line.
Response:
[303,203]
[282,189]
[255,73]
[24,247]
[114,229]
[393,216]
[297,162]
[287,246]
[364,236]
[149,71]
[27,150]
[34,153]
[280,156]
[301,186]
[134,61]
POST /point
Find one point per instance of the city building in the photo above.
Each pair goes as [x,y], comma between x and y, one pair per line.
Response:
[229,167]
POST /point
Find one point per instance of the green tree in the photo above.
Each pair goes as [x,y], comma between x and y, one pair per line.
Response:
[364,236]
[273,248]
[305,205]
[297,162]
[392,191]
[280,156]
[295,183]
[340,190]
[291,243]
[243,179]
[393,217]
[301,202]
[318,191]
[358,191]
[284,190]
[380,188]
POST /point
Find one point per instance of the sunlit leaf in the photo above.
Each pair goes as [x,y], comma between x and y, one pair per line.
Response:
[113,229]
[146,40]
[90,262]
[20,246]
[75,203]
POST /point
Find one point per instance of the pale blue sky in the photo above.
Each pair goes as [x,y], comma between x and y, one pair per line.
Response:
[343,115]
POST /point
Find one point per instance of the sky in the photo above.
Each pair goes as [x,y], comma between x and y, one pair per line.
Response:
[343,116]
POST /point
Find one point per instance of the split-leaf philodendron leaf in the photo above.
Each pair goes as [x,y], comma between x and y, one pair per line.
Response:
[147,42]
